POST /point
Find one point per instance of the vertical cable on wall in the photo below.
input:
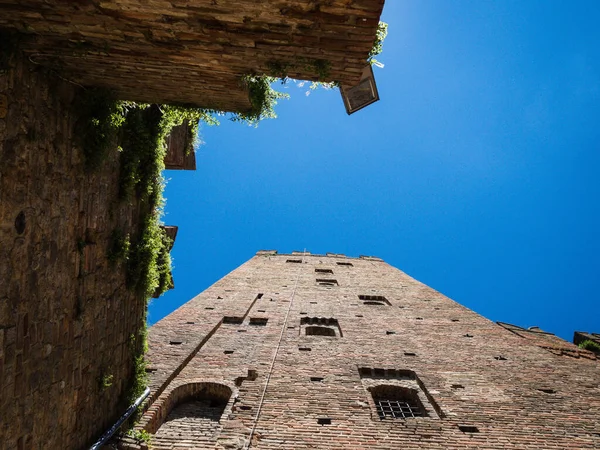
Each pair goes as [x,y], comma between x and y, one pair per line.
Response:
[283,328]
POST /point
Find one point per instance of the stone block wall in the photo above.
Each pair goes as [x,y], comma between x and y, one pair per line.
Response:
[481,385]
[65,315]
[177,51]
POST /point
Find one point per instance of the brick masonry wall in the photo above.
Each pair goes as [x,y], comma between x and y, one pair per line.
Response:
[470,371]
[65,315]
[194,52]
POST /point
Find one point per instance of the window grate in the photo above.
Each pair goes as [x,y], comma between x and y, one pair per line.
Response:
[396,409]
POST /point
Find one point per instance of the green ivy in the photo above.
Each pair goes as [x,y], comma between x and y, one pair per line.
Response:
[382,31]
[263,99]
[101,117]
[119,247]
[590,345]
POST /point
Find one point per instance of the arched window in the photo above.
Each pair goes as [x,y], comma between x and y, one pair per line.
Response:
[193,414]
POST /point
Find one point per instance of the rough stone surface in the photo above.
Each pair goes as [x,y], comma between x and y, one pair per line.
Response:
[65,314]
[195,52]
[511,384]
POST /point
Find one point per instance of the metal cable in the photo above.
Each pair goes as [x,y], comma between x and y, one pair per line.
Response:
[283,328]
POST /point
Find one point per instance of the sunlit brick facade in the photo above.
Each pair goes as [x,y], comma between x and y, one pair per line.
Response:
[304,351]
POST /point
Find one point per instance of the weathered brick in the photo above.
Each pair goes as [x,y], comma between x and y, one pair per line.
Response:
[513,385]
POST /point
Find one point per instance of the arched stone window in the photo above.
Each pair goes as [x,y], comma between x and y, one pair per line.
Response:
[192,413]
[320,326]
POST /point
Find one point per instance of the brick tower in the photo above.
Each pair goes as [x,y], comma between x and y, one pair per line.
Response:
[302,351]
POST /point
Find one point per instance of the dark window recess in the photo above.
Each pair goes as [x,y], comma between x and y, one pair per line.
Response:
[409,354]
[359,315]
[295,261]
[547,391]
[345,264]
[262,310]
[468,335]
[175,342]
[374,300]
[233,320]
[390,332]
[318,379]
[327,282]
[454,320]
[316,330]
[259,321]
[500,358]
[304,349]
[242,331]
[228,352]
[291,327]
[324,421]
[468,429]
[302,313]
[313,303]
[190,323]
[245,408]
[397,409]
[323,271]
[457,386]
[209,307]
[150,370]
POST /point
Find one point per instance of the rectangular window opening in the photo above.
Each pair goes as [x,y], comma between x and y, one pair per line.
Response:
[397,409]
[294,261]
[323,271]
[327,282]
[233,320]
[347,264]
[468,429]
[258,321]
[324,421]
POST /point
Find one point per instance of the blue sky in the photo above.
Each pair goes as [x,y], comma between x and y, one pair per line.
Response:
[476,173]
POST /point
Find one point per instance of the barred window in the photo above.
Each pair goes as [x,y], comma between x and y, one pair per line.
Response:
[395,402]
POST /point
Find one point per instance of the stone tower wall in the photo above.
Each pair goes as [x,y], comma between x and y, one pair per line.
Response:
[66,316]
[482,385]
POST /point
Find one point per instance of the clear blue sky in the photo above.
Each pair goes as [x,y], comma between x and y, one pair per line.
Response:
[476,173]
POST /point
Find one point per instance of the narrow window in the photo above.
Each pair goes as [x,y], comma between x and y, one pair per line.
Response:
[377,300]
[233,320]
[324,421]
[468,429]
[327,282]
[347,264]
[323,271]
[295,261]
[259,321]
[316,330]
